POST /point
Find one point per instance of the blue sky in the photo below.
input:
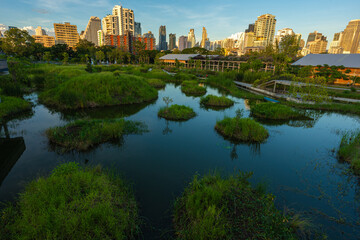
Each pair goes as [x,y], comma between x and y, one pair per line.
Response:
[221,17]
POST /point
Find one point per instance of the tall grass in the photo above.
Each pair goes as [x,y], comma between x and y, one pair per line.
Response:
[73,203]
[156,83]
[99,89]
[275,111]
[192,88]
[216,208]
[177,113]
[10,106]
[215,101]
[84,134]
[349,150]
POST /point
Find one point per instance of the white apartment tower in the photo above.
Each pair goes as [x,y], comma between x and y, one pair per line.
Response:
[126,19]
[110,25]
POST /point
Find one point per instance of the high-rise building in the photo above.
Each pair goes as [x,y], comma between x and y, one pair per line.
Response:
[204,38]
[264,30]
[126,19]
[183,42]
[162,38]
[282,33]
[91,31]
[66,33]
[100,37]
[42,38]
[351,37]
[172,41]
[110,25]
[127,42]
[149,35]
[138,29]
[191,39]
[335,45]
[316,43]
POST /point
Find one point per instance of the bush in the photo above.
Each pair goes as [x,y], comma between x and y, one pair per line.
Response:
[275,111]
[156,83]
[99,89]
[349,150]
[177,112]
[73,203]
[217,208]
[242,129]
[192,88]
[9,87]
[10,106]
[85,134]
[214,101]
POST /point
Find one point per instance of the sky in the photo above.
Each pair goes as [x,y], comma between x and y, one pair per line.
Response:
[221,18]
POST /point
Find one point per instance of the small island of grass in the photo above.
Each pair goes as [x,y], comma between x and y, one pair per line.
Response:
[242,129]
[73,203]
[217,208]
[349,150]
[177,113]
[156,83]
[84,134]
[217,102]
[192,88]
[275,112]
[10,106]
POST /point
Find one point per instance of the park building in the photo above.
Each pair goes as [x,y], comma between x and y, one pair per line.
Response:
[42,38]
[66,34]
[91,32]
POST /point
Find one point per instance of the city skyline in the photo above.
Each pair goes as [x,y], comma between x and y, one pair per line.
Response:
[218,20]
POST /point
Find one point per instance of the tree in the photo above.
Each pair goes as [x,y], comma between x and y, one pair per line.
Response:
[47,57]
[167,101]
[57,51]
[176,51]
[310,89]
[18,43]
[100,56]
[66,58]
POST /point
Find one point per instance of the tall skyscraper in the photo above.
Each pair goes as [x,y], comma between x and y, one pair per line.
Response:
[126,19]
[162,38]
[138,29]
[316,43]
[264,30]
[91,31]
[183,42]
[204,38]
[42,38]
[249,38]
[172,41]
[66,33]
[191,39]
[148,35]
[110,25]
[335,45]
[351,37]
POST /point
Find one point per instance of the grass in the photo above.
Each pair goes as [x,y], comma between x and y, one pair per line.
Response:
[336,107]
[177,113]
[73,203]
[349,150]
[275,111]
[98,90]
[192,88]
[156,83]
[215,101]
[84,134]
[10,106]
[216,208]
[242,129]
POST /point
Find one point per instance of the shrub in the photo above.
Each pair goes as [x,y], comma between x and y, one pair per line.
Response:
[242,129]
[73,203]
[215,101]
[217,208]
[85,134]
[192,88]
[177,112]
[275,111]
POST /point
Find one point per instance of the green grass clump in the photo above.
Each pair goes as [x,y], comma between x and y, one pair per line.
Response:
[242,129]
[177,112]
[84,134]
[73,203]
[98,90]
[156,83]
[349,150]
[192,88]
[275,111]
[215,101]
[217,208]
[10,106]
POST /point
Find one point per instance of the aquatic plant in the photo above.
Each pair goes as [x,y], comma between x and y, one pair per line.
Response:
[10,106]
[275,111]
[73,203]
[192,88]
[156,83]
[215,101]
[349,150]
[213,207]
[176,112]
[85,134]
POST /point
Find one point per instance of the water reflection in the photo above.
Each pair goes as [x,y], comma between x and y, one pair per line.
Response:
[167,129]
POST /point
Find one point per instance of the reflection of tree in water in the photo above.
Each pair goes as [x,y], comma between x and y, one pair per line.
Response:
[167,129]
[254,150]
[233,154]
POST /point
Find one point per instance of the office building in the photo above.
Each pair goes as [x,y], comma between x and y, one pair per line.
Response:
[335,45]
[316,43]
[126,20]
[183,42]
[42,38]
[191,39]
[172,41]
[351,37]
[204,38]
[138,29]
[162,39]
[264,30]
[66,33]
[91,32]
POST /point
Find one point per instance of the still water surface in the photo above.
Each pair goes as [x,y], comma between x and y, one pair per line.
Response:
[297,163]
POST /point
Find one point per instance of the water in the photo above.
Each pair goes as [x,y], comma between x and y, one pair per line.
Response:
[298,162]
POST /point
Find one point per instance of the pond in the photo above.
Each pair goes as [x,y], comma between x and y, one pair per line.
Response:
[297,163]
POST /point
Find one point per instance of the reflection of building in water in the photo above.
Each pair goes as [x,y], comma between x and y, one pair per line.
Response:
[11,150]
[247,104]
